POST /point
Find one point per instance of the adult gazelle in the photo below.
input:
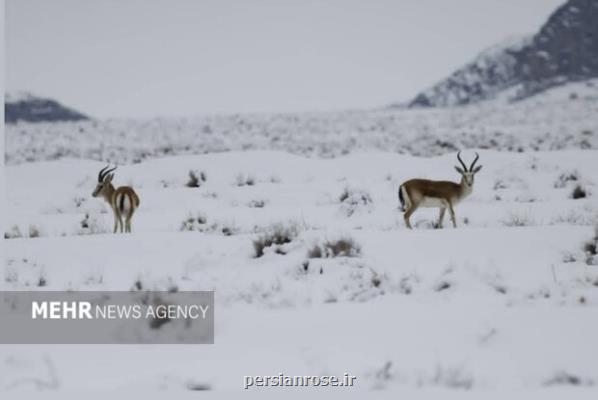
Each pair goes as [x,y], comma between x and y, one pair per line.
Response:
[416,193]
[123,200]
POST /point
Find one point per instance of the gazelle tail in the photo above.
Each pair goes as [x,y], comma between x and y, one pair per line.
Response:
[401,199]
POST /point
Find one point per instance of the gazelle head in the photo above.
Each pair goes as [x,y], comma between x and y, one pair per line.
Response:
[468,174]
[104,181]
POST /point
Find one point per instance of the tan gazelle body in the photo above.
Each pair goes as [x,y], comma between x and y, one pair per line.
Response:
[416,193]
[123,200]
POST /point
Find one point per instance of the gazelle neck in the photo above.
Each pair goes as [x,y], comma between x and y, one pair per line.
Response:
[108,192]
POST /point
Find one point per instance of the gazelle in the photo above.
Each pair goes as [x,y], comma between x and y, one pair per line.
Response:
[416,193]
[123,201]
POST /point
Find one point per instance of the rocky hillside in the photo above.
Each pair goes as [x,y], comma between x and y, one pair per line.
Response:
[28,108]
[564,50]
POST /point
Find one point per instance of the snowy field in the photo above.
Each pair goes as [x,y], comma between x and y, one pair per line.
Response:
[561,118]
[505,305]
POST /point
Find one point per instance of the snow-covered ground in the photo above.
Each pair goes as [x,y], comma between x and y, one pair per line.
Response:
[505,305]
[561,118]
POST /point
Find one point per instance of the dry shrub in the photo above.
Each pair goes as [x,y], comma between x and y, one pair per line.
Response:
[590,249]
[34,231]
[41,281]
[566,378]
[565,178]
[13,233]
[227,229]
[193,222]
[450,377]
[277,234]
[342,247]
[244,180]
[257,203]
[199,223]
[578,192]
[90,225]
[196,179]
[519,220]
[354,200]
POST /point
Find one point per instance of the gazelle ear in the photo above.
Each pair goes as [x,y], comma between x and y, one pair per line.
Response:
[459,170]
[477,169]
[109,178]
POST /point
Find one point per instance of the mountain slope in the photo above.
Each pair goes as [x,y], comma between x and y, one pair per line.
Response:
[564,50]
[28,108]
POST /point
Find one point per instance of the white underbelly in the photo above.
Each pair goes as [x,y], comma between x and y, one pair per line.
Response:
[429,202]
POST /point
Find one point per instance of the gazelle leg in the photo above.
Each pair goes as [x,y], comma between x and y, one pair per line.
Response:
[118,223]
[452,211]
[128,223]
[408,213]
[128,220]
[441,217]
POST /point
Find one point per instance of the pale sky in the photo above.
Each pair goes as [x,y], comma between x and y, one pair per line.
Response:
[143,58]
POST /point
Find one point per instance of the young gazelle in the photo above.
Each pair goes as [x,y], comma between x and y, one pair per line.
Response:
[416,193]
[123,200]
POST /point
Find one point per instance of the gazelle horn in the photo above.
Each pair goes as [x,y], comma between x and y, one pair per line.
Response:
[461,161]
[477,156]
[105,171]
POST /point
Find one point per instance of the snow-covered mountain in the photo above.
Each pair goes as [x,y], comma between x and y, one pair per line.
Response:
[29,108]
[564,50]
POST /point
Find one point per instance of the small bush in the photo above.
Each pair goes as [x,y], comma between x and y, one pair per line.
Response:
[227,229]
[315,252]
[518,220]
[199,223]
[578,192]
[343,247]
[244,180]
[196,179]
[572,218]
[91,226]
[565,178]
[79,201]
[590,249]
[156,322]
[210,195]
[34,231]
[568,257]
[277,234]
[353,200]
[13,233]
[193,222]
[41,281]
[500,184]
[197,386]
[443,285]
[382,376]
[565,378]
[451,377]
[344,195]
[407,284]
[137,285]
[257,204]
